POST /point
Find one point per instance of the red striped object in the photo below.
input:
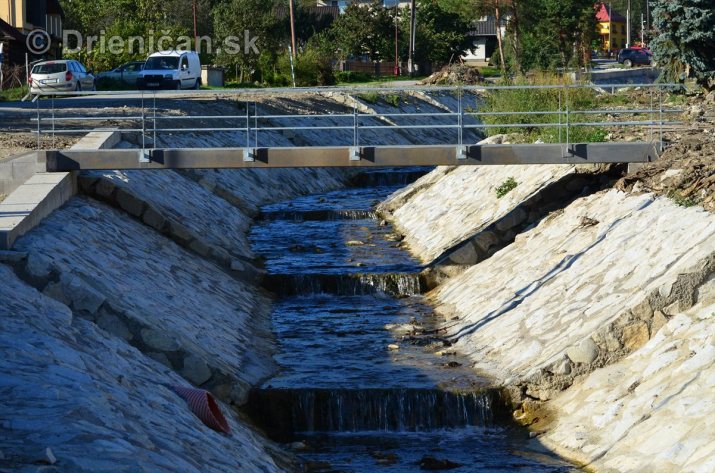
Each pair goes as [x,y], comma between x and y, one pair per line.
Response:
[205,407]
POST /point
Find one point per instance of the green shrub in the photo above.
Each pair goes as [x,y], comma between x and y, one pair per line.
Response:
[369,97]
[506,187]
[393,99]
[681,200]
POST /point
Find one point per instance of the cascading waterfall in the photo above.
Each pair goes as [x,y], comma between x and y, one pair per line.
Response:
[362,382]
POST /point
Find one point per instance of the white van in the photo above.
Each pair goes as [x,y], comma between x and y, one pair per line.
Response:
[174,70]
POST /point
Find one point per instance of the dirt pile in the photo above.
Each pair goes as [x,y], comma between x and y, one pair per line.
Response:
[455,74]
[686,170]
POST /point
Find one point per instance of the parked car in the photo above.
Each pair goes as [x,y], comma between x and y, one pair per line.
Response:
[60,76]
[631,56]
[171,70]
[128,72]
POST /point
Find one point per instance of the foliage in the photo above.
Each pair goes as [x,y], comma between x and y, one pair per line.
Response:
[364,31]
[506,187]
[233,18]
[369,97]
[682,200]
[13,94]
[551,28]
[441,35]
[546,100]
[685,39]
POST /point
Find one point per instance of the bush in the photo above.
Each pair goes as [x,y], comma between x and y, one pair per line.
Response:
[506,187]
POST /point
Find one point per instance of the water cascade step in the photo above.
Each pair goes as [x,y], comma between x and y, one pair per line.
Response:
[367,380]
[288,411]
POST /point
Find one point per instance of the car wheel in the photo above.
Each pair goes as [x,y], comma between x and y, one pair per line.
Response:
[628,63]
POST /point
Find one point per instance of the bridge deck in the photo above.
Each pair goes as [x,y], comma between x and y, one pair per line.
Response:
[370,156]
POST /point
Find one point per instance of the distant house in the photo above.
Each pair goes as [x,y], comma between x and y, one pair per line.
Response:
[484,36]
[18,18]
[343,4]
[611,28]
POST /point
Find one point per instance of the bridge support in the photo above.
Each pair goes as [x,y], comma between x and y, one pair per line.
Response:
[366,156]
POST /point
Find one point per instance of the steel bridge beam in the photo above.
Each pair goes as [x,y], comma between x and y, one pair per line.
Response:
[366,156]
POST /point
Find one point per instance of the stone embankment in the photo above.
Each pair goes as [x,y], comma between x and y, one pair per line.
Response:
[142,281]
[595,314]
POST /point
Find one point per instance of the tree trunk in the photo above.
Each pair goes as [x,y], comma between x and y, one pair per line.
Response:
[516,43]
[497,17]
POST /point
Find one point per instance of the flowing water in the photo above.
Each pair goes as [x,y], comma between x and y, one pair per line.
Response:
[366,382]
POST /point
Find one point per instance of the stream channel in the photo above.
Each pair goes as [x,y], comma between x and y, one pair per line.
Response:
[361,386]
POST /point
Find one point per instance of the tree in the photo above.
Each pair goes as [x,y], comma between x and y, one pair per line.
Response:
[554,33]
[685,39]
[442,35]
[365,30]
[235,21]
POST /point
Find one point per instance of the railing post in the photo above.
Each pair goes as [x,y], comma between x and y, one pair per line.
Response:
[52,99]
[255,128]
[461,149]
[154,145]
[39,128]
[568,121]
[143,155]
[660,124]
[248,155]
[355,149]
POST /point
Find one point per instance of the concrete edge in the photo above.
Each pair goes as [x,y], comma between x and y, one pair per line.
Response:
[36,194]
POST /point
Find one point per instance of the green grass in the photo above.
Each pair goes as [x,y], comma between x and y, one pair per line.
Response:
[506,187]
[489,71]
[681,200]
[13,94]
[550,107]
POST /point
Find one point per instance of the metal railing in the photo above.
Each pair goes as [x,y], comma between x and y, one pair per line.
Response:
[456,119]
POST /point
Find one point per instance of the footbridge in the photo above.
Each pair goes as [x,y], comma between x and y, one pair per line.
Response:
[361,127]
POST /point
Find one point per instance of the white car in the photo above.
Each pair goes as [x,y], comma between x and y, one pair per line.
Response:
[59,76]
[128,72]
[174,70]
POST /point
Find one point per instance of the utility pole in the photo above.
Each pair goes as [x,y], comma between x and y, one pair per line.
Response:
[610,28]
[397,52]
[628,25]
[196,29]
[292,27]
[413,24]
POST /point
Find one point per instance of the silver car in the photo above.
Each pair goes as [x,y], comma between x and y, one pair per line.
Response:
[60,76]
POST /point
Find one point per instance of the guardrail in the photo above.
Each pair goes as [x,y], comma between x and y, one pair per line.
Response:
[455,121]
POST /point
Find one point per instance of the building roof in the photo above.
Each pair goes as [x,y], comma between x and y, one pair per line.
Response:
[486,27]
[9,31]
[602,14]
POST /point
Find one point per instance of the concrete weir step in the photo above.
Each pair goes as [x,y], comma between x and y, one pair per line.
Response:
[318,215]
[394,284]
[284,412]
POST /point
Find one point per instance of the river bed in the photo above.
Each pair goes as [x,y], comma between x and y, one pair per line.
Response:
[366,381]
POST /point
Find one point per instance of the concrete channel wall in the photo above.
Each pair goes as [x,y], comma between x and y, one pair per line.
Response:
[596,317]
[143,281]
